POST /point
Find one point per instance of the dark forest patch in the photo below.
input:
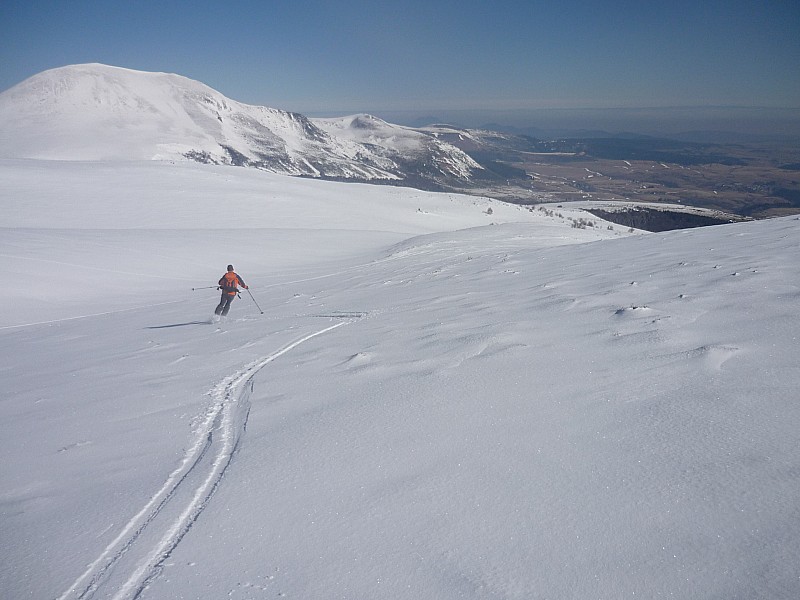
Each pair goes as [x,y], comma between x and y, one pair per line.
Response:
[655,220]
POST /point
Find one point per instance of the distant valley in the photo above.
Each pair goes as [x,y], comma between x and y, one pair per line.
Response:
[749,180]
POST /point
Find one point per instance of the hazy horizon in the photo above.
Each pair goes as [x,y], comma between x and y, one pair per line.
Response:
[745,121]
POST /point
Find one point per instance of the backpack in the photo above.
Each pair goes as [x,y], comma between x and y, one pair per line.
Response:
[228,283]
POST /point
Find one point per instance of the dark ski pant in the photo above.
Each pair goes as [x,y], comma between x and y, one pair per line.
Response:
[225,304]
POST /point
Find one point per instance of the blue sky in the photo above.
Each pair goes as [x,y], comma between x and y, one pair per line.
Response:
[429,57]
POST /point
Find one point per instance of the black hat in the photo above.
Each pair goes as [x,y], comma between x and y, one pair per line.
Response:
[230,267]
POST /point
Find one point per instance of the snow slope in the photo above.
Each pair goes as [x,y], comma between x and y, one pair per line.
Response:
[431,406]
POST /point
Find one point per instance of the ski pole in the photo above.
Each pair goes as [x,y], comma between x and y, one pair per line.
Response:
[208,287]
[254,300]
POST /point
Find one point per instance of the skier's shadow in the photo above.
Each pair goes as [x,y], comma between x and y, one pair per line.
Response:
[179,325]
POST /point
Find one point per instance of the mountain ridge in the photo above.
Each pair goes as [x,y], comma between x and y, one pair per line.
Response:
[100,112]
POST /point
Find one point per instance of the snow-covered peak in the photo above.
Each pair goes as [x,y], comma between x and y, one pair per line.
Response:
[369,129]
[357,121]
[101,85]
[92,111]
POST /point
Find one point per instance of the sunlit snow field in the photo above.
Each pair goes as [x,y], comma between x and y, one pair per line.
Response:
[438,401]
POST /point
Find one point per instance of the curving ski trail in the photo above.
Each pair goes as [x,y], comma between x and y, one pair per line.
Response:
[136,556]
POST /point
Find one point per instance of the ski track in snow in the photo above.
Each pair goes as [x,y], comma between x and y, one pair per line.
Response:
[134,559]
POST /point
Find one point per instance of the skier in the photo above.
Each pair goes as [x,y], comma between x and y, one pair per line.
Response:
[228,284]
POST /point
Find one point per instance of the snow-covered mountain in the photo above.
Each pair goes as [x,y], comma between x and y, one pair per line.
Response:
[99,112]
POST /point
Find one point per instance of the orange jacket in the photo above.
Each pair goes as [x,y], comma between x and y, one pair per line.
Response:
[228,283]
